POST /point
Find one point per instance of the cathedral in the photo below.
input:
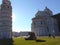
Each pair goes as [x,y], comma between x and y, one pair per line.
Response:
[5,20]
[44,24]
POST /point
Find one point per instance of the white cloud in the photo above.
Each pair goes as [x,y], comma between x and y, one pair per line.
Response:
[16,30]
[19,30]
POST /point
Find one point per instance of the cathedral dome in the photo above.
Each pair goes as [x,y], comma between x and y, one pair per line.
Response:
[47,10]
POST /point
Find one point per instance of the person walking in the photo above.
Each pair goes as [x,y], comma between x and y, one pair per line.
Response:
[53,34]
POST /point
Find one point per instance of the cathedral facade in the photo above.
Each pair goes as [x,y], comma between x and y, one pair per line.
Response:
[44,24]
[5,19]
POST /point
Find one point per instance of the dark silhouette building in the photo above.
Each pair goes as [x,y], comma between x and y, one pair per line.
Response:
[57,17]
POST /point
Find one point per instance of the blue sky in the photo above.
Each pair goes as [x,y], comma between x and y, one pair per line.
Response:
[24,10]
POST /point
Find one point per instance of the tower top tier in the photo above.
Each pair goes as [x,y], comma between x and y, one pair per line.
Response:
[6,2]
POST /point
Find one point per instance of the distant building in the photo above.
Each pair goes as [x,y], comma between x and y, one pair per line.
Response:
[24,33]
[18,34]
[44,24]
[15,34]
[5,19]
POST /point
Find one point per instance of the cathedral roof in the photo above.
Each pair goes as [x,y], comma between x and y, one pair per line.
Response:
[39,13]
[45,12]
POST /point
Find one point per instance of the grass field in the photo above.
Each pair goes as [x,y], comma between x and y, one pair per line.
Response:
[48,41]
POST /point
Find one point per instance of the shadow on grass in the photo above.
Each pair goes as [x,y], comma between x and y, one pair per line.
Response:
[37,40]
[6,41]
[40,40]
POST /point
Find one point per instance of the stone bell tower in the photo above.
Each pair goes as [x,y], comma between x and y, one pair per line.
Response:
[6,20]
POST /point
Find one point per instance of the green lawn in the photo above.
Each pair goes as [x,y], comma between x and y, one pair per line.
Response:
[49,41]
